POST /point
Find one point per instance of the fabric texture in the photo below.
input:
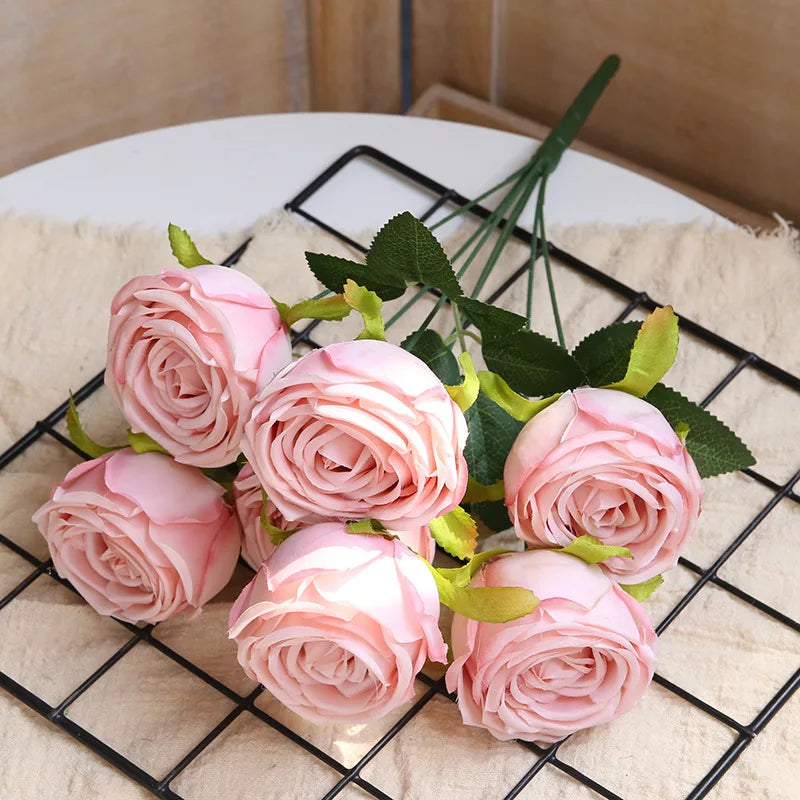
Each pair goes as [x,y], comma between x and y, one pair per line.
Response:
[58,281]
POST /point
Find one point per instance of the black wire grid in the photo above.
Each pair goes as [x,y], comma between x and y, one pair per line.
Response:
[744,732]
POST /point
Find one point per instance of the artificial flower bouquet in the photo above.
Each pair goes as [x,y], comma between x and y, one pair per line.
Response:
[336,474]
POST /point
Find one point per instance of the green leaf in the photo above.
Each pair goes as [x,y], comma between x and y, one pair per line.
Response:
[641,591]
[465,393]
[183,248]
[455,532]
[331,309]
[682,431]
[485,604]
[461,576]
[492,431]
[276,535]
[604,354]
[477,492]
[532,364]
[404,249]
[493,514]
[653,353]
[512,403]
[492,321]
[715,448]
[78,435]
[142,443]
[333,272]
[430,348]
[592,551]
[365,526]
[369,305]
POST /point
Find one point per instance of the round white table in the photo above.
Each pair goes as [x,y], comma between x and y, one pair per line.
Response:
[221,175]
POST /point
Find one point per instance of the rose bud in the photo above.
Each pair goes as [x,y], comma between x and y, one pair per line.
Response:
[187,352]
[337,625]
[584,656]
[256,543]
[356,430]
[140,537]
[604,463]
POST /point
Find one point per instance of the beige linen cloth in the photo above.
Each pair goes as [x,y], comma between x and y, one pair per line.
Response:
[57,282]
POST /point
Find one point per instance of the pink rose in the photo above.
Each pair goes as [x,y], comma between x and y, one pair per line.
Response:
[584,656]
[604,463]
[355,430]
[187,352]
[256,544]
[141,537]
[337,625]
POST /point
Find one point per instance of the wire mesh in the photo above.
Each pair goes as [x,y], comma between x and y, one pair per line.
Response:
[137,637]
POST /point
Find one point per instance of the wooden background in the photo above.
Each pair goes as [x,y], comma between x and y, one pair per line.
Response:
[708,91]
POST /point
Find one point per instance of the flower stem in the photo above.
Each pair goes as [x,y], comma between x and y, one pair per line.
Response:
[546,253]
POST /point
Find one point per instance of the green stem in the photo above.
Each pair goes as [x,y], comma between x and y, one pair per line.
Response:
[547,268]
[459,327]
[508,229]
[461,209]
[561,136]
[452,338]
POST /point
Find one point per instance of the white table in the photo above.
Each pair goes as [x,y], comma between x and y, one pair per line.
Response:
[221,175]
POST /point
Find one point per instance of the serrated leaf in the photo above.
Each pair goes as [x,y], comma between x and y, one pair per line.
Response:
[455,532]
[512,403]
[404,248]
[492,321]
[604,354]
[653,353]
[78,435]
[333,272]
[183,248]
[715,448]
[429,347]
[461,576]
[369,305]
[492,432]
[330,309]
[591,550]
[485,603]
[532,364]
[276,535]
[464,394]
[478,493]
[142,443]
[493,514]
[641,591]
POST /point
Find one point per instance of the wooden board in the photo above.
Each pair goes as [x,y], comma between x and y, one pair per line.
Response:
[82,72]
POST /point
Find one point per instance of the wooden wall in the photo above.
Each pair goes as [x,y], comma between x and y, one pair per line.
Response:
[707,92]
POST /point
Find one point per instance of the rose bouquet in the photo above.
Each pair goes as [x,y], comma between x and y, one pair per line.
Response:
[337,473]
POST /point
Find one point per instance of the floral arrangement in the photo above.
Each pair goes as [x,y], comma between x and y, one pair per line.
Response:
[337,473]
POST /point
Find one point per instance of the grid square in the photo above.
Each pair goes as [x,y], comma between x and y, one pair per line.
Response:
[54,640]
[25,484]
[730,503]
[251,754]
[218,659]
[769,767]
[149,709]
[13,570]
[408,767]
[763,565]
[552,782]
[728,654]
[649,752]
[345,743]
[766,416]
